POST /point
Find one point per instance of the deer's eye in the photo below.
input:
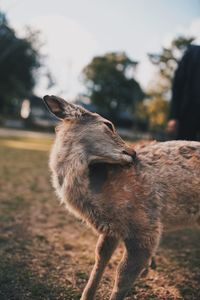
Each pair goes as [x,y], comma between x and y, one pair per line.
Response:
[109,125]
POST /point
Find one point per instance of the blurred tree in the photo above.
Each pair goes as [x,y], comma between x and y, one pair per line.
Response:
[166,63]
[111,84]
[19,59]
[152,113]
[159,89]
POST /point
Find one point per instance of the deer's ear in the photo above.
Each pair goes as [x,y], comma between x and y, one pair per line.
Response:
[63,109]
[55,105]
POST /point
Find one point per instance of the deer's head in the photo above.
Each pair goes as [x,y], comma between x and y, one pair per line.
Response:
[93,134]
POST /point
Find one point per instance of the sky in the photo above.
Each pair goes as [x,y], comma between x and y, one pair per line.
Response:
[75,31]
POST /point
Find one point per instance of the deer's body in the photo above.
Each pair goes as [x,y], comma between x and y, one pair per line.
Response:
[122,196]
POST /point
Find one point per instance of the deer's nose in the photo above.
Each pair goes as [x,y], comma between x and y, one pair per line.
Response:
[131,152]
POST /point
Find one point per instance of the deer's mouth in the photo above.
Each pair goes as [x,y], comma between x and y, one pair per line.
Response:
[130,154]
[121,156]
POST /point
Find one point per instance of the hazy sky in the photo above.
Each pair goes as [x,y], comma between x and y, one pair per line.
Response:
[76,30]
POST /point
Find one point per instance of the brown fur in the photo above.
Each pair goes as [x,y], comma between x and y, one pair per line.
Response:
[123,196]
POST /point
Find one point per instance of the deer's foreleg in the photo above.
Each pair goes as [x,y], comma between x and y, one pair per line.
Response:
[104,250]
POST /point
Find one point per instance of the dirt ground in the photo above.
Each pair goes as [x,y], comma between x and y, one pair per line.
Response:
[47,254]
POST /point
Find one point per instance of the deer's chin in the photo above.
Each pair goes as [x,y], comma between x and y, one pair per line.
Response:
[120,159]
[126,159]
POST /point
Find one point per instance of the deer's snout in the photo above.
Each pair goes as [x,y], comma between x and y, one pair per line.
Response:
[130,152]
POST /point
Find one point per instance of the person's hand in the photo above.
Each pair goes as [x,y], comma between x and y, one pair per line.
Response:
[172,126]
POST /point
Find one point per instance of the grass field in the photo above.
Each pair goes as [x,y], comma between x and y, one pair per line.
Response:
[47,254]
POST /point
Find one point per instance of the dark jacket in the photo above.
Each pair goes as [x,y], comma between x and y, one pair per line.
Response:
[186,85]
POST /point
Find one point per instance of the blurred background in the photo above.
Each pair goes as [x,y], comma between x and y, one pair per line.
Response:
[117,58]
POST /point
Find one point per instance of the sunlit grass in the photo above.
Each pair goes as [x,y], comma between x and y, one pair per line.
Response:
[40,144]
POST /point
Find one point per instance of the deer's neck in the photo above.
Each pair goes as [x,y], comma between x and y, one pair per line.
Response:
[76,181]
[78,185]
[72,183]
[80,196]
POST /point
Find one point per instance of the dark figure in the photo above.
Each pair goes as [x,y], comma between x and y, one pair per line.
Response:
[184,118]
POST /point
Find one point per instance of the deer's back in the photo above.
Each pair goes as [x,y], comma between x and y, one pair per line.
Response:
[162,186]
[173,172]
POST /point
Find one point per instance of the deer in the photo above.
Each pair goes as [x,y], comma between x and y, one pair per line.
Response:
[128,194]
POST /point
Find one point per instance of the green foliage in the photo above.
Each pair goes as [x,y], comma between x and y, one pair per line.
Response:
[19,59]
[111,84]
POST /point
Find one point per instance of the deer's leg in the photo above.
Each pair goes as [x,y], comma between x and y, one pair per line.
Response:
[134,261]
[104,250]
[153,266]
